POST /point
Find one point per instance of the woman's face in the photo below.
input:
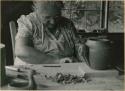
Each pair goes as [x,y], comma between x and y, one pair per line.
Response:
[49,20]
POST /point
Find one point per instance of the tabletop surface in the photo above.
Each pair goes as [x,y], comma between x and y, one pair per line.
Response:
[100,79]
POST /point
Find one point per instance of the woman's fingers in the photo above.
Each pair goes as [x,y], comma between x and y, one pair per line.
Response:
[66,60]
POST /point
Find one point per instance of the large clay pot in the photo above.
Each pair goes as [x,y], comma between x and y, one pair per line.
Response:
[99,53]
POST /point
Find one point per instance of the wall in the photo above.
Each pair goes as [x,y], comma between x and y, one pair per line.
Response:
[88,19]
[11,11]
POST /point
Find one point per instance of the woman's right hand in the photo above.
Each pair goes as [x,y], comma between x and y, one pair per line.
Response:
[66,60]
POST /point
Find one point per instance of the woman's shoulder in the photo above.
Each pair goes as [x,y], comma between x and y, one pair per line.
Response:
[29,20]
[31,16]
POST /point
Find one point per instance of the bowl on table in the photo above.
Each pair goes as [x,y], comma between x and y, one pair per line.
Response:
[18,84]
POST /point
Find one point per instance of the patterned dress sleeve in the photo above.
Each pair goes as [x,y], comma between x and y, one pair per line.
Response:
[80,48]
[24,28]
[74,33]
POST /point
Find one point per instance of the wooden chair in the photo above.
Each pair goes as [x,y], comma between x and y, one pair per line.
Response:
[13,32]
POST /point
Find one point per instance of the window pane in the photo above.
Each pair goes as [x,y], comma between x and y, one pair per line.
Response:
[92,5]
[85,15]
[116,16]
[92,20]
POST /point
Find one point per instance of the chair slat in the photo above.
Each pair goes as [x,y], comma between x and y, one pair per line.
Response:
[13,31]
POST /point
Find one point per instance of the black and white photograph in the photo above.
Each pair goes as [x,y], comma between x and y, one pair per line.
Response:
[62,45]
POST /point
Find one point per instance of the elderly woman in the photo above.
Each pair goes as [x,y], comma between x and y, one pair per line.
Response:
[44,36]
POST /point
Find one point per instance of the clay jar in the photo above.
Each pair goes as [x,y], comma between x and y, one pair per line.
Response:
[99,53]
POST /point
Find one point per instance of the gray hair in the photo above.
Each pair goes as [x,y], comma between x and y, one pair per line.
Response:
[47,6]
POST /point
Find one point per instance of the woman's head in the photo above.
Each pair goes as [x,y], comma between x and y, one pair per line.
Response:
[50,8]
[48,11]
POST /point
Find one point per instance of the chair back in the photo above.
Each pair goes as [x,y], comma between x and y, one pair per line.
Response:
[13,32]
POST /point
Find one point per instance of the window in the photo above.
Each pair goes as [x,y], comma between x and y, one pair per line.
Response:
[87,15]
[116,16]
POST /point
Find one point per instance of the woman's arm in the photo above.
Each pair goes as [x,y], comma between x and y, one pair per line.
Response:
[29,54]
[80,48]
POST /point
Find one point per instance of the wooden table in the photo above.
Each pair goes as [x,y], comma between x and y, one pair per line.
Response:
[100,80]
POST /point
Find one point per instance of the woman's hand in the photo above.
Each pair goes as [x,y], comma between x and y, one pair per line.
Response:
[66,60]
